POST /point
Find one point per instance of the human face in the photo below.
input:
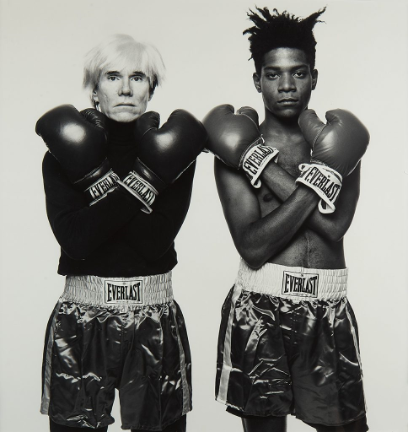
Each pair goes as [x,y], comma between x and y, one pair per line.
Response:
[286,82]
[122,94]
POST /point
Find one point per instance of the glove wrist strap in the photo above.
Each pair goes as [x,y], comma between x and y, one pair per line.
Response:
[325,181]
[255,159]
[140,189]
[101,187]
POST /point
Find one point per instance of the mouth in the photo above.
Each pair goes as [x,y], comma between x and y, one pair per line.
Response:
[288,101]
[125,105]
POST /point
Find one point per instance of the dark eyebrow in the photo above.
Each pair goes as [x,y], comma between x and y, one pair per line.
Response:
[140,73]
[299,66]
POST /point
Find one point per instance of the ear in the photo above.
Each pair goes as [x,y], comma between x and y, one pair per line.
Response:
[314,78]
[257,82]
[95,98]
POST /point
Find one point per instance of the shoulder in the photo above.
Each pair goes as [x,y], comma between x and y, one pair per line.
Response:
[230,178]
[53,175]
[50,165]
[234,189]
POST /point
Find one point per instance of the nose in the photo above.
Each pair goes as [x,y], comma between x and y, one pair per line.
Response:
[125,88]
[287,83]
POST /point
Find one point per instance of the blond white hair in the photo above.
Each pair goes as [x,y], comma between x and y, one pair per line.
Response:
[119,51]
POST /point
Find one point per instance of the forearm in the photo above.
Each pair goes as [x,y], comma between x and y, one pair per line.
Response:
[81,231]
[267,236]
[154,234]
[78,227]
[282,184]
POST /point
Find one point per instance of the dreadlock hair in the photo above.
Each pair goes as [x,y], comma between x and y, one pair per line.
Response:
[281,30]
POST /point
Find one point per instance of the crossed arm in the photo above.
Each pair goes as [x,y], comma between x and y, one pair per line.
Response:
[332,226]
[81,229]
[259,237]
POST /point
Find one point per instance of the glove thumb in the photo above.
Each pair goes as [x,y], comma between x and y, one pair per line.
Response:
[146,122]
[95,117]
[311,126]
[249,112]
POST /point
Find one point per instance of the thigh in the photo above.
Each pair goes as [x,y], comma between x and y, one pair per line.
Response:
[264,424]
[54,427]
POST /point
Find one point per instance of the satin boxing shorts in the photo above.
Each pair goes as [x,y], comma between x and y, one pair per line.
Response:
[288,344]
[123,333]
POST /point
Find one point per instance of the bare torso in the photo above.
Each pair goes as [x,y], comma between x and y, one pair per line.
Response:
[307,248]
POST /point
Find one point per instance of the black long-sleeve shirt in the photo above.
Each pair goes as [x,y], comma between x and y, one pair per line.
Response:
[114,237]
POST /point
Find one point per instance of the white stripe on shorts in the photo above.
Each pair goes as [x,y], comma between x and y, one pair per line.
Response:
[46,395]
[183,371]
[226,364]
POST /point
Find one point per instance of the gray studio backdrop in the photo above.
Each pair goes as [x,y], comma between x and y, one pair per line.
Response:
[361,58]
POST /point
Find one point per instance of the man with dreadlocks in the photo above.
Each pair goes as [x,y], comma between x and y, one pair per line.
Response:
[288,340]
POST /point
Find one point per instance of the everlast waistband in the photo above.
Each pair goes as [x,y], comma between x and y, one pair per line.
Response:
[119,292]
[296,283]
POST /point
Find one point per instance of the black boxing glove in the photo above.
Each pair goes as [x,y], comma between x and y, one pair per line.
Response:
[164,153]
[78,141]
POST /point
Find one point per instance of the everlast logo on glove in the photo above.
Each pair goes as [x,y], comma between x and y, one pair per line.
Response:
[99,189]
[300,284]
[325,181]
[255,160]
[129,292]
[140,187]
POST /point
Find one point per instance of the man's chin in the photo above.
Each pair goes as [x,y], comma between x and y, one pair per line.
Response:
[124,117]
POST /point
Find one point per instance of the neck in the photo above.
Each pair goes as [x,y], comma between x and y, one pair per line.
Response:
[121,133]
[279,126]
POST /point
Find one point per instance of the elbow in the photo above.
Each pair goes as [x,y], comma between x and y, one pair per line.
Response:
[254,264]
[76,252]
[153,255]
[254,258]
[336,234]
[75,247]
[154,251]
[336,237]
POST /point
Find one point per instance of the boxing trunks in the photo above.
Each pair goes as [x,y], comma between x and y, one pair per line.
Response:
[288,344]
[124,333]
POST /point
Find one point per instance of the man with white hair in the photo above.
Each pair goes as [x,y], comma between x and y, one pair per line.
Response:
[118,189]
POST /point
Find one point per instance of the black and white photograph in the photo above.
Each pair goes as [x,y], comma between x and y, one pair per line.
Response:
[205,210]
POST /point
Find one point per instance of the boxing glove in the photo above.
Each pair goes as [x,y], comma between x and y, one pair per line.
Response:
[337,147]
[78,141]
[163,153]
[236,140]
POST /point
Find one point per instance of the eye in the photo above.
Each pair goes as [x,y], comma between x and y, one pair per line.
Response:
[137,78]
[299,74]
[112,78]
[272,75]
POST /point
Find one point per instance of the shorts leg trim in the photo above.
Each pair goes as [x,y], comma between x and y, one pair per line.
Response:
[354,334]
[186,391]
[46,396]
[227,365]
